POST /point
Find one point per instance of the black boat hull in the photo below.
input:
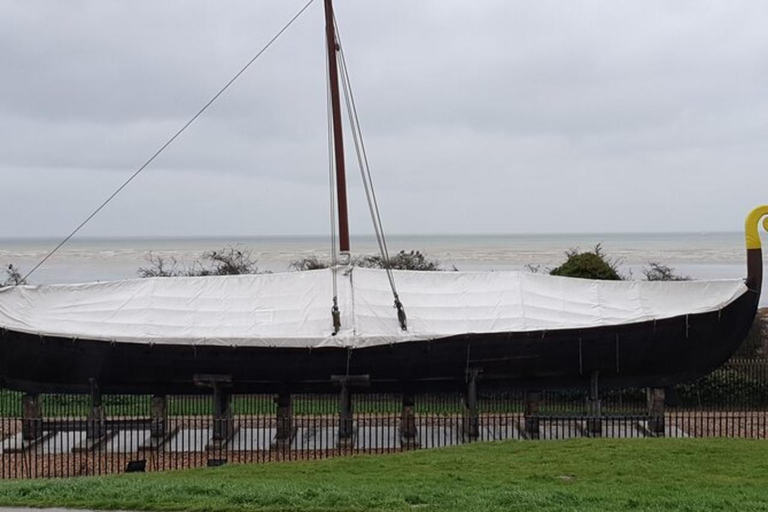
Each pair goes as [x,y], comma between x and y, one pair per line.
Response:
[648,354]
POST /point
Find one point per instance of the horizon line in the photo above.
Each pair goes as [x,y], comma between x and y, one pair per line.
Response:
[363,235]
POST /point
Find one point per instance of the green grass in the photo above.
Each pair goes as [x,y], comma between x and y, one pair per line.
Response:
[578,475]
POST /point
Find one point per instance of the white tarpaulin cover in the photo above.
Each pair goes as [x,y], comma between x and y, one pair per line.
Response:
[294,309]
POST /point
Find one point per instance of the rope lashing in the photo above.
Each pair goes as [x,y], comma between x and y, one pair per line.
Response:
[401,316]
[336,314]
[365,173]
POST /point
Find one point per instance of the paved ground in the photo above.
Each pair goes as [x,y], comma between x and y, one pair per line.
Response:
[369,437]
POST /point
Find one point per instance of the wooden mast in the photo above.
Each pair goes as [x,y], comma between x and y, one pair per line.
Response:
[338,141]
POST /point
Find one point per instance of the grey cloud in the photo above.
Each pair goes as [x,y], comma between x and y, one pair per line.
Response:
[483,116]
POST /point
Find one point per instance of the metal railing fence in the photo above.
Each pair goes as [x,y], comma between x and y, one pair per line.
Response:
[62,435]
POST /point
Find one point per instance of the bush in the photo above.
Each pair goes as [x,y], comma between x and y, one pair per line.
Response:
[657,272]
[225,262]
[413,260]
[310,263]
[588,265]
[160,267]
[14,277]
[726,386]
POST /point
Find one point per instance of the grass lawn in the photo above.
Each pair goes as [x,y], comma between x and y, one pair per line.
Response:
[641,474]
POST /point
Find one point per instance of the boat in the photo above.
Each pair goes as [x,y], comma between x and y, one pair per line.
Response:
[395,331]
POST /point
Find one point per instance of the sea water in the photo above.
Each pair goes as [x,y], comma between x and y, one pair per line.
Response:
[697,255]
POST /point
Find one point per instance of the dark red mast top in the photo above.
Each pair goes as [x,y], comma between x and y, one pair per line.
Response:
[338,141]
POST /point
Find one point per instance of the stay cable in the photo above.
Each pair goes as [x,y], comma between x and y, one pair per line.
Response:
[169,141]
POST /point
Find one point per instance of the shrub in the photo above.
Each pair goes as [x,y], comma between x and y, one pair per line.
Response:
[413,260]
[224,262]
[588,265]
[14,277]
[725,386]
[310,263]
[655,271]
[159,267]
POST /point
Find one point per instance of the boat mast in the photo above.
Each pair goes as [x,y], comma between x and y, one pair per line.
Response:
[338,141]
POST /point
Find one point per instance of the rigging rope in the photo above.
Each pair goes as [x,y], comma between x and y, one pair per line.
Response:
[169,141]
[335,312]
[365,173]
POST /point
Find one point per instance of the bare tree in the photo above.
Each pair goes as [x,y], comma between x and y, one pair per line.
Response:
[14,277]
[413,260]
[159,267]
[223,262]
[309,263]
[656,271]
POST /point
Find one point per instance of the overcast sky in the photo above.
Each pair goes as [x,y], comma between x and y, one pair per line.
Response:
[479,116]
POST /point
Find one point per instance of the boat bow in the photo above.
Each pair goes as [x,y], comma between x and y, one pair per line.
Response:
[754,249]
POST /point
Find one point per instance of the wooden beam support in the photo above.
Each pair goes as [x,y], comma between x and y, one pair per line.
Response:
[224,428]
[471,417]
[286,430]
[408,431]
[532,427]
[346,419]
[31,417]
[159,431]
[594,407]
[656,397]
[96,427]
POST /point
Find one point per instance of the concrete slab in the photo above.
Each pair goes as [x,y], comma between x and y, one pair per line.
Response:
[669,430]
[15,444]
[253,439]
[59,442]
[499,432]
[155,443]
[86,444]
[127,441]
[223,443]
[378,438]
[189,440]
[438,436]
[567,429]
[675,431]
[620,429]
[311,438]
